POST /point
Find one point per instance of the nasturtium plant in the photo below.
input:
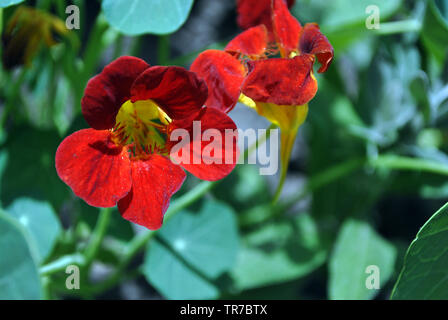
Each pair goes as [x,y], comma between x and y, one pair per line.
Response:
[150,149]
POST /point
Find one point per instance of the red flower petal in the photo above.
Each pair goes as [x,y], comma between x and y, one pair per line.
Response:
[154,181]
[95,168]
[107,91]
[252,42]
[281,81]
[223,74]
[177,91]
[210,151]
[286,28]
[254,12]
[312,41]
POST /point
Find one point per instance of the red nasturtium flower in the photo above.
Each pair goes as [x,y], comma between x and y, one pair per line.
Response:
[124,159]
[278,88]
[252,13]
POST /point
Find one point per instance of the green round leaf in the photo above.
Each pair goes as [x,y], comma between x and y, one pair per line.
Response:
[278,252]
[40,220]
[192,251]
[7,3]
[19,277]
[136,17]
[173,278]
[424,274]
[357,247]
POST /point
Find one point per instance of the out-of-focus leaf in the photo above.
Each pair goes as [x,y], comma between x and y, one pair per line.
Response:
[435,30]
[136,17]
[30,169]
[63,107]
[278,252]
[342,13]
[192,251]
[430,138]
[41,222]
[343,21]
[7,3]
[424,274]
[357,247]
[386,103]
[19,277]
[419,88]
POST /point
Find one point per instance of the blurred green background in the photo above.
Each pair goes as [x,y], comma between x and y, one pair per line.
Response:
[368,170]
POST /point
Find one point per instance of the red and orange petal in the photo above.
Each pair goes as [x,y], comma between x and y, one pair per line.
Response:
[95,168]
[286,28]
[154,181]
[209,152]
[107,91]
[177,91]
[281,81]
[252,43]
[312,41]
[254,12]
[223,74]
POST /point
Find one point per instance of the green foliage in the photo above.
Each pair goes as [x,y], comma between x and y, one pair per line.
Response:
[192,251]
[143,16]
[357,247]
[41,222]
[435,29]
[425,265]
[30,153]
[18,271]
[342,21]
[278,252]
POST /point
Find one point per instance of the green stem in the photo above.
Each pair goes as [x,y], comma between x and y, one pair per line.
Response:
[409,164]
[61,264]
[60,8]
[97,236]
[326,177]
[11,100]
[341,170]
[1,24]
[163,50]
[94,47]
[394,27]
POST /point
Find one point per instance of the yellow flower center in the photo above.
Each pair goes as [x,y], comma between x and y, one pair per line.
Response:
[142,126]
